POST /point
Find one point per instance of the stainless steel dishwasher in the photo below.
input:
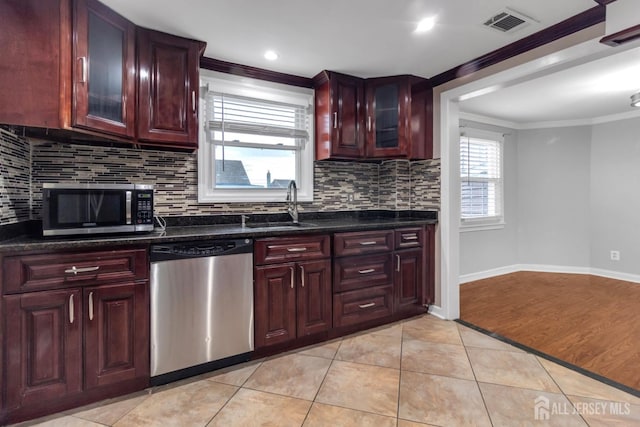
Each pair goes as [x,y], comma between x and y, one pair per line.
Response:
[201,307]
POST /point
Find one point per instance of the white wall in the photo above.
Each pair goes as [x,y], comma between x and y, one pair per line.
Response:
[553,196]
[490,249]
[615,195]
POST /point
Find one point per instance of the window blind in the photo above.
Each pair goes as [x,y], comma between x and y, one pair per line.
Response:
[233,116]
[481,178]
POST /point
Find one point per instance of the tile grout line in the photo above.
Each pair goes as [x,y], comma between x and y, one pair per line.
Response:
[475,378]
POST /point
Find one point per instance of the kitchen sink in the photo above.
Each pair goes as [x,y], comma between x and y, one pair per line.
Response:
[280,225]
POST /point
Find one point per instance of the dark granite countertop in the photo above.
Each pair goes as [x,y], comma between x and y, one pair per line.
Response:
[228,226]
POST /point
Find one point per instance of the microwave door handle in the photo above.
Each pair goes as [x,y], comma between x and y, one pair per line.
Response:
[128,207]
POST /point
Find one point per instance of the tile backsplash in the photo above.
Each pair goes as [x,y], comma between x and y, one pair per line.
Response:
[15,177]
[26,164]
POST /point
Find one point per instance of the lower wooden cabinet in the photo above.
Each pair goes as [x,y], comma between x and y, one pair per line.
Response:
[86,341]
[292,299]
[43,339]
[408,279]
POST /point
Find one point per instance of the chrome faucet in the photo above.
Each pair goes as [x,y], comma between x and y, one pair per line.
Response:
[292,207]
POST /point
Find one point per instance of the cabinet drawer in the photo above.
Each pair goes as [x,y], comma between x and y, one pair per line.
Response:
[274,250]
[362,271]
[409,237]
[362,242]
[48,271]
[353,307]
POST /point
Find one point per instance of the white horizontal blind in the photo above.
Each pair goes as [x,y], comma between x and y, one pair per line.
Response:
[481,178]
[236,120]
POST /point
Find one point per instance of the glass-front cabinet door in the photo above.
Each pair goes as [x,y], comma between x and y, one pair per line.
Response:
[386,121]
[103,70]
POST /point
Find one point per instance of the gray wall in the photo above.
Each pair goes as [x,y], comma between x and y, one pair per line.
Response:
[576,192]
[553,196]
[490,249]
[615,195]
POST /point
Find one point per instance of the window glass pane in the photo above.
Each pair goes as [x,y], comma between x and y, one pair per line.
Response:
[251,168]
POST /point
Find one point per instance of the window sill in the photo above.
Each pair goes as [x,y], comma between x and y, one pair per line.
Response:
[480,226]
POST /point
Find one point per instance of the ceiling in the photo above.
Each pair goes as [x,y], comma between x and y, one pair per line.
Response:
[598,89]
[366,38]
[370,38]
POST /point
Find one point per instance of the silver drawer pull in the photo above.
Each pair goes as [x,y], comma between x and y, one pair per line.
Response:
[371,304]
[74,270]
[368,243]
[296,249]
[410,237]
[367,271]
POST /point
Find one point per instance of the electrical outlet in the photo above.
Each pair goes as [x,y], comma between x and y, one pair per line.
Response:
[615,255]
[350,197]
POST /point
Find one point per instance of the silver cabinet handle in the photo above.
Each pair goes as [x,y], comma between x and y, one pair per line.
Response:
[371,304]
[367,271]
[302,275]
[71,309]
[292,276]
[409,237]
[398,262]
[367,243]
[84,69]
[296,249]
[193,100]
[335,120]
[74,270]
[369,123]
[90,305]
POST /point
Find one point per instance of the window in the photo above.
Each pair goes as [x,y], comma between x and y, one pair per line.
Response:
[255,138]
[481,179]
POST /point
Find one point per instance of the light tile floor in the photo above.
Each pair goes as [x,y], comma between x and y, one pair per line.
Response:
[423,371]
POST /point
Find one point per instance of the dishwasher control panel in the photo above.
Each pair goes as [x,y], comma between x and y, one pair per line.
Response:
[197,249]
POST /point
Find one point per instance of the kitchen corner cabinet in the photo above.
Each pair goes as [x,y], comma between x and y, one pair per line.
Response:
[168,88]
[339,115]
[292,290]
[104,87]
[377,118]
[76,65]
[76,328]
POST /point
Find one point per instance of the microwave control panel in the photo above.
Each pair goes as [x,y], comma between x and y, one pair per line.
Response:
[144,207]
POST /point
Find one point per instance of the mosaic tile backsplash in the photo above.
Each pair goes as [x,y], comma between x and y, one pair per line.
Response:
[15,178]
[338,185]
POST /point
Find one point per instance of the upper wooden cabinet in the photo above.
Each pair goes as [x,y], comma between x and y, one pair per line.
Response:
[104,86]
[77,65]
[168,88]
[386,117]
[339,116]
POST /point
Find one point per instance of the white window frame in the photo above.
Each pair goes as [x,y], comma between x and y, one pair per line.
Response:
[244,86]
[486,222]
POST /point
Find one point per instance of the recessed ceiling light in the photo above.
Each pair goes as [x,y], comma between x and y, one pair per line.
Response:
[270,55]
[426,24]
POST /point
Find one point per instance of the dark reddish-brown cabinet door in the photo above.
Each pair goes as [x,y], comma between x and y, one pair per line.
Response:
[314,297]
[116,333]
[43,347]
[275,304]
[409,279]
[346,121]
[104,86]
[168,89]
[387,118]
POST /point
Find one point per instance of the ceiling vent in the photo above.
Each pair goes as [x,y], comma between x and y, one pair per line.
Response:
[509,21]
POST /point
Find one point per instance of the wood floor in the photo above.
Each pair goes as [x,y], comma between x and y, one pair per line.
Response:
[588,321]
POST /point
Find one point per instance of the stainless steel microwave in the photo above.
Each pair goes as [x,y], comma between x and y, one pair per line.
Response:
[78,209]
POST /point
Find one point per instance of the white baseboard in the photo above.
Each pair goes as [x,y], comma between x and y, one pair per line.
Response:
[549,269]
[436,311]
